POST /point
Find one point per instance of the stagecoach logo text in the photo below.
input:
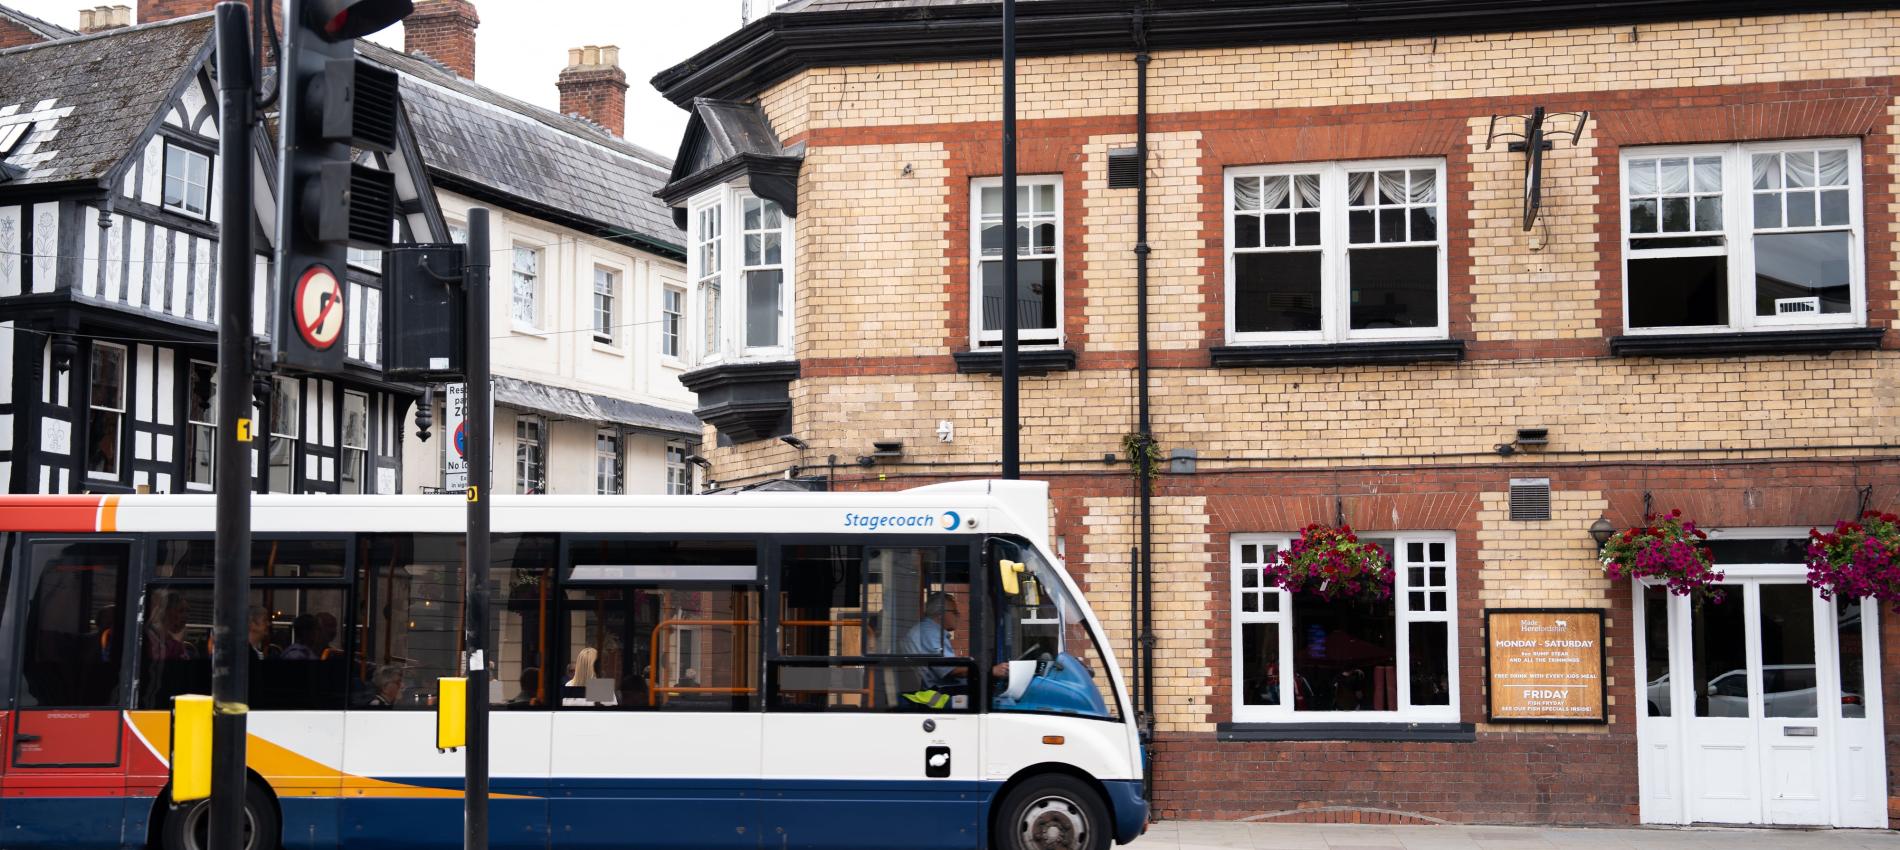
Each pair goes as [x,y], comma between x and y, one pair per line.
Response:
[946,521]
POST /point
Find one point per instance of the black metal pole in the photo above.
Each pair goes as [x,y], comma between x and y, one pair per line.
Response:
[481,448]
[1012,439]
[230,661]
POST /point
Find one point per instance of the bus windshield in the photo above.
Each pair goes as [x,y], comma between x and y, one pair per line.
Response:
[1042,623]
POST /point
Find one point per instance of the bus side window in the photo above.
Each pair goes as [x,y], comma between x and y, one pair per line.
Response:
[521,618]
[73,650]
[410,601]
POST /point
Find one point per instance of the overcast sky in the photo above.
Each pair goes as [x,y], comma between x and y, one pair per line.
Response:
[522,46]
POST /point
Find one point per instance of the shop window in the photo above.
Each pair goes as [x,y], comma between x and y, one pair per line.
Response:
[669,626]
[1300,658]
[874,628]
[1336,252]
[1038,261]
[1743,237]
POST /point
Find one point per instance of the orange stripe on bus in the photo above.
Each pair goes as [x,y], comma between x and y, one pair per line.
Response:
[109,514]
[52,513]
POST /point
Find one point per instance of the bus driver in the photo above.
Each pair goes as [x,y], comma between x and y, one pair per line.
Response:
[931,637]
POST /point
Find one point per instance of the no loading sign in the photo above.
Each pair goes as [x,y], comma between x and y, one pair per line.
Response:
[318,308]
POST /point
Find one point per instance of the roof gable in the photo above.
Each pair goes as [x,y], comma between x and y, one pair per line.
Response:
[41,28]
[726,140]
[91,100]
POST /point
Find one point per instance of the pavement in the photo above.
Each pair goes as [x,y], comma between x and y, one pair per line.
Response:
[1205,835]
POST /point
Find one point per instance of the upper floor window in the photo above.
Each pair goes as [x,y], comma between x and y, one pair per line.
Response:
[1336,252]
[606,291]
[105,418]
[201,429]
[1298,657]
[187,181]
[1743,237]
[672,321]
[355,472]
[525,295]
[1038,261]
[743,279]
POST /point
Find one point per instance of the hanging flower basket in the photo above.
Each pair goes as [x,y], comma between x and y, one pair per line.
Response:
[1333,564]
[1669,548]
[1857,559]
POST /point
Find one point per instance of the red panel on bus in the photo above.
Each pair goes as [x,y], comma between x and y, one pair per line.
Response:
[50,513]
[66,737]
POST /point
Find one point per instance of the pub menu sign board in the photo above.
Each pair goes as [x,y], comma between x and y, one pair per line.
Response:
[1545,665]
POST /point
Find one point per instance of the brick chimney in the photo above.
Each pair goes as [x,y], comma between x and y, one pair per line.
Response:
[102,18]
[593,87]
[445,30]
[165,10]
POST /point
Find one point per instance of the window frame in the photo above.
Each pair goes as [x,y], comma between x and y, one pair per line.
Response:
[1054,338]
[538,459]
[722,332]
[673,322]
[603,316]
[93,406]
[1739,232]
[361,452]
[679,473]
[1335,251]
[293,435]
[618,457]
[165,181]
[200,429]
[534,277]
[1403,618]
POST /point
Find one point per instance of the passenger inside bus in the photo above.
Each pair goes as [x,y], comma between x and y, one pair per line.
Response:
[388,687]
[304,639]
[261,647]
[586,687]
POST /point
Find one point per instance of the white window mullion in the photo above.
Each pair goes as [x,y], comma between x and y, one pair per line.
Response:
[1739,221]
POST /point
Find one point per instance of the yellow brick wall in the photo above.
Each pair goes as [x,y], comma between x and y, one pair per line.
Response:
[1541,284]
[1657,55]
[1174,231]
[1183,594]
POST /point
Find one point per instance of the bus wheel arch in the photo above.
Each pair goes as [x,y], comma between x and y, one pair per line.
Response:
[1053,775]
[258,796]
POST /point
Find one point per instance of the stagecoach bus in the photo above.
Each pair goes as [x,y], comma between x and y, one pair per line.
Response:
[848,670]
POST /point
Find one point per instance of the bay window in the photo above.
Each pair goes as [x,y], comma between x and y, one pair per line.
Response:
[1743,237]
[1038,261]
[1297,657]
[741,267]
[1336,252]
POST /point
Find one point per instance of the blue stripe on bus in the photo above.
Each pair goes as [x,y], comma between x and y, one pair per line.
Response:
[1128,808]
[65,822]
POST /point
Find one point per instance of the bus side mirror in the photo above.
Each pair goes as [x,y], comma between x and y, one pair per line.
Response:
[1010,570]
[451,713]
[191,748]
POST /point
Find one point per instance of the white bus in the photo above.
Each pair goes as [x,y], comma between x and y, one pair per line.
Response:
[847,670]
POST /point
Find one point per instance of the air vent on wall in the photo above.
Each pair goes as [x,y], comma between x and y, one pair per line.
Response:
[1124,168]
[1530,499]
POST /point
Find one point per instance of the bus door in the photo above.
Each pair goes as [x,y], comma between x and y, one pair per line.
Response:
[873,695]
[66,742]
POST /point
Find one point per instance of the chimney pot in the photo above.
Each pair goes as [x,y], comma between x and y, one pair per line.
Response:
[102,18]
[573,57]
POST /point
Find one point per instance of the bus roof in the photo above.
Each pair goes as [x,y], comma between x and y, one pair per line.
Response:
[980,507]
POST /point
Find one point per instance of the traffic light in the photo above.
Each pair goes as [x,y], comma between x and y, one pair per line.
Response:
[333,105]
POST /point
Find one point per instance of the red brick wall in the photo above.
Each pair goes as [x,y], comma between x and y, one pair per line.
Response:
[598,94]
[445,31]
[14,35]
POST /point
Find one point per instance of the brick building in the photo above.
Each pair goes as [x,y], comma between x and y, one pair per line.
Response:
[1350,316]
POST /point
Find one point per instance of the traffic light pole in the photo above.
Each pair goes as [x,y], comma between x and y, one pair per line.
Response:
[230,661]
[481,449]
[1012,420]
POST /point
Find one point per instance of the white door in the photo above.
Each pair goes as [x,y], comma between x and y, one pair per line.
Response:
[1761,709]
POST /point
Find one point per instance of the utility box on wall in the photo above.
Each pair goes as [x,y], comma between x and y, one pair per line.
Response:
[425,323]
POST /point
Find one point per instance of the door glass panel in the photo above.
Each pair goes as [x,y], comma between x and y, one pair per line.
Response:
[1847,619]
[73,645]
[1787,650]
[1656,648]
[1720,656]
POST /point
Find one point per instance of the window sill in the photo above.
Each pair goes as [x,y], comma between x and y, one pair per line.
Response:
[1455,733]
[1340,354]
[525,330]
[1029,361]
[1745,342]
[745,401]
[605,347]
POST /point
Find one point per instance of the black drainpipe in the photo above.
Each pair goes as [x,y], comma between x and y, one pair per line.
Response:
[1143,473]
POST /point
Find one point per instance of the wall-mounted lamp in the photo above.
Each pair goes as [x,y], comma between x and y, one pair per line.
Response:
[1527,438]
[794,442]
[699,461]
[1600,531]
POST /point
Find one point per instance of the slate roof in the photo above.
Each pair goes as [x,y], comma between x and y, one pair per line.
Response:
[92,97]
[44,29]
[473,137]
[568,403]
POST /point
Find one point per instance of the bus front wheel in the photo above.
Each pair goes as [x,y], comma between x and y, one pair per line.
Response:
[187,827]
[1052,812]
